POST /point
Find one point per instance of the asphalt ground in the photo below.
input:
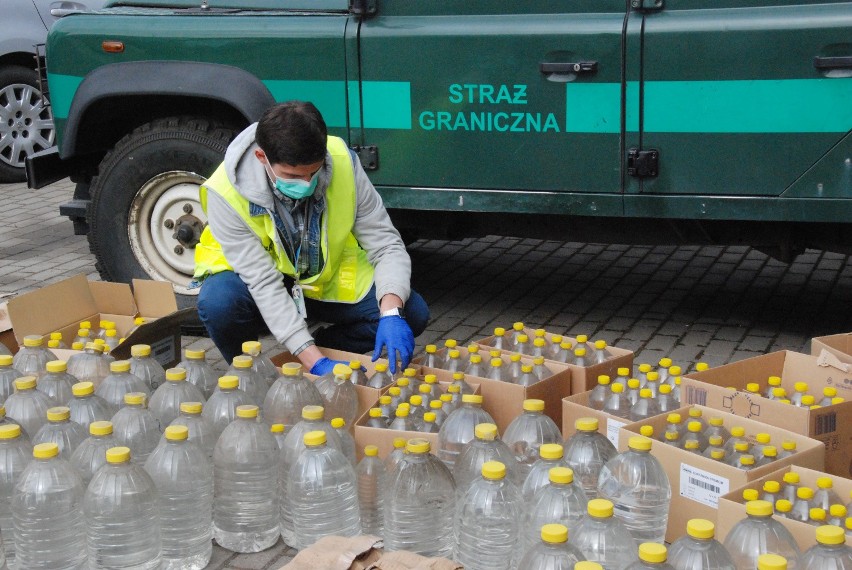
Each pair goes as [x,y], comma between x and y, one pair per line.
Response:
[712,304]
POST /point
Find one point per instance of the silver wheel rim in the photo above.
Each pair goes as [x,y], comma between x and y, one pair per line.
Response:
[26,125]
[161,199]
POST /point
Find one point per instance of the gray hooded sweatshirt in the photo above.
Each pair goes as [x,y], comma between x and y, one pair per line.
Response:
[243,250]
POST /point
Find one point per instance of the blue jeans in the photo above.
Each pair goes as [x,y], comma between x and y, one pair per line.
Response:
[231,317]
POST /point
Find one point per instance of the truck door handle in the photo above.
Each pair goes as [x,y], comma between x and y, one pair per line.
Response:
[842,62]
[568,67]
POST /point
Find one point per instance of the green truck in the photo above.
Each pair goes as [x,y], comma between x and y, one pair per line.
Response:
[629,121]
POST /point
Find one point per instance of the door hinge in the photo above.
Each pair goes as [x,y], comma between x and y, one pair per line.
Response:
[368,155]
[363,8]
[643,163]
[647,5]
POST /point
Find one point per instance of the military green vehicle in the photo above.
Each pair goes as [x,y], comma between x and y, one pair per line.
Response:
[637,121]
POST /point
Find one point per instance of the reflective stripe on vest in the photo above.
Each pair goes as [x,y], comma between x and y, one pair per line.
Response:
[347,274]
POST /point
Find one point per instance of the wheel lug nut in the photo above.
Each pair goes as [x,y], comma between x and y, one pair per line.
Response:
[187,208]
[169,224]
[178,250]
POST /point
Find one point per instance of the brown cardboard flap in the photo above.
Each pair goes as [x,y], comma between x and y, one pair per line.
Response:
[337,553]
[401,560]
[825,358]
[114,298]
[840,345]
[151,333]
[42,311]
[154,298]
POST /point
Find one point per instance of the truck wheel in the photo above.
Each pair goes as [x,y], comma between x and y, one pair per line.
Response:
[145,216]
[26,125]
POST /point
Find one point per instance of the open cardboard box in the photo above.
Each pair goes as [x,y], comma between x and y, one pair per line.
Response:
[698,482]
[723,388]
[839,345]
[582,377]
[60,308]
[576,406]
[7,335]
[732,505]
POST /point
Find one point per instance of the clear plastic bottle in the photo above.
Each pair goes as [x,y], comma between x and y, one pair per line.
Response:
[540,370]
[563,351]
[359,373]
[617,404]
[166,400]
[632,391]
[603,538]
[599,393]
[372,484]
[830,552]
[824,494]
[527,432]
[245,462]
[376,420]
[484,447]
[463,386]
[717,427]
[517,331]
[761,441]
[381,378]
[288,395]
[698,549]
[143,366]
[802,504]
[788,448]
[83,336]
[221,409]
[33,356]
[783,507]
[552,551]
[89,365]
[15,454]
[60,430]
[57,383]
[86,407]
[419,504]
[586,452]
[49,532]
[837,515]
[431,360]
[27,406]
[737,436]
[184,480]
[401,420]
[199,372]
[8,375]
[799,390]
[394,457]
[499,341]
[346,440]
[638,486]
[120,382]
[260,362]
[666,400]
[771,492]
[695,432]
[696,415]
[770,454]
[771,383]
[475,366]
[580,357]
[646,407]
[562,501]
[90,455]
[817,517]
[487,523]
[828,395]
[790,487]
[458,428]
[527,378]
[111,339]
[759,533]
[323,492]
[340,396]
[550,455]
[454,362]
[277,431]
[121,516]
[135,427]
[251,382]
[497,371]
[523,345]
[514,370]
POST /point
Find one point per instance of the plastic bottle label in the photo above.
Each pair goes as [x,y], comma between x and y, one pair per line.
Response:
[163,350]
[702,486]
[612,427]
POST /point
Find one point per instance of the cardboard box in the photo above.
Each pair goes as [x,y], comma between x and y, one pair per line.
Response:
[61,306]
[576,406]
[732,505]
[7,335]
[838,345]
[698,482]
[831,425]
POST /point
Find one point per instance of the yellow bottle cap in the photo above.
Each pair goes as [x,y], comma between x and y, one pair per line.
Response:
[580,352]
[763,438]
[177,433]
[56,366]
[817,514]
[741,446]
[783,506]
[518,326]
[499,331]
[6,360]
[375,412]
[800,386]
[539,342]
[395,391]
[526,368]
[141,350]
[617,388]
[753,387]
[586,424]
[771,486]
[639,443]
[837,511]
[522,338]
[25,383]
[692,445]
[600,508]
[587,565]
[458,376]
[58,414]
[700,528]
[436,404]
[551,451]
[604,380]
[747,460]
[10,431]
[534,405]
[715,440]
[242,361]
[554,534]
[425,389]
[418,446]
[399,443]
[561,475]
[830,534]
[32,341]
[829,391]
[118,455]
[429,417]
[738,431]
[83,389]
[486,431]
[431,349]
[100,428]
[111,333]
[338,423]
[247,411]
[381,367]
[45,450]
[825,483]
[385,400]
[85,324]
[805,493]
[556,339]
[791,478]
[447,397]
[672,436]
[626,371]
[694,427]
[694,413]
[314,438]
[228,382]
[647,431]
[633,383]
[402,411]
[451,343]
[430,379]
[401,382]
[771,562]
[94,346]
[472,399]
[176,375]
[750,495]
[134,398]
[770,451]
[193,408]
[371,451]
[416,400]
[515,357]
[454,354]
[652,552]
[717,454]
[674,418]
[251,347]
[759,508]
[496,362]
[493,470]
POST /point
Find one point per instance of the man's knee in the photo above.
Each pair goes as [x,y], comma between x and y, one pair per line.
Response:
[221,296]
[417,313]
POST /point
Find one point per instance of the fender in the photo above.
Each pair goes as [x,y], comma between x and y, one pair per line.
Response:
[245,93]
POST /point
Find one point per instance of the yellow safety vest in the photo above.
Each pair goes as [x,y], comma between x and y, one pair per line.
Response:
[347,274]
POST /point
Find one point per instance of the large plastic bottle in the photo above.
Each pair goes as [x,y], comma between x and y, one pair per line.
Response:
[824,494]
[347,442]
[199,372]
[599,394]
[603,538]
[49,531]
[260,362]
[484,447]
[121,516]
[143,366]
[15,453]
[617,403]
[89,365]
[645,407]
[340,396]
[395,456]
[119,382]
[528,432]
[245,509]
[8,375]
[759,533]
[27,406]
[638,486]
[698,549]
[90,455]
[458,428]
[60,430]
[487,523]
[652,556]
[551,455]
[250,381]
[830,552]
[135,427]
[586,452]
[371,476]
[57,383]
[166,400]
[381,378]
[200,430]
[221,409]
[420,503]
[563,501]
[552,551]
[184,480]
[323,492]
[288,395]
[86,407]
[33,356]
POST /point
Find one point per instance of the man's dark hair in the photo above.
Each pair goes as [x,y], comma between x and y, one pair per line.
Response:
[292,133]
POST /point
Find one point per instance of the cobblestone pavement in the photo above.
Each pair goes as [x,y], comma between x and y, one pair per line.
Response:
[714,304]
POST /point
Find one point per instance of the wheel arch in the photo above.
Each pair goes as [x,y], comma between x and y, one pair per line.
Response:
[114,99]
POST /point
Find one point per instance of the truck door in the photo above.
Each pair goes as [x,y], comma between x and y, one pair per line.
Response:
[741,98]
[488,95]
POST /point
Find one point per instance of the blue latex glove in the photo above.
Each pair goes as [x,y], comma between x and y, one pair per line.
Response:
[325,365]
[395,335]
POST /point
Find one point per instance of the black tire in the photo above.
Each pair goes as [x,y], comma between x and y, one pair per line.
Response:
[37,136]
[165,145]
